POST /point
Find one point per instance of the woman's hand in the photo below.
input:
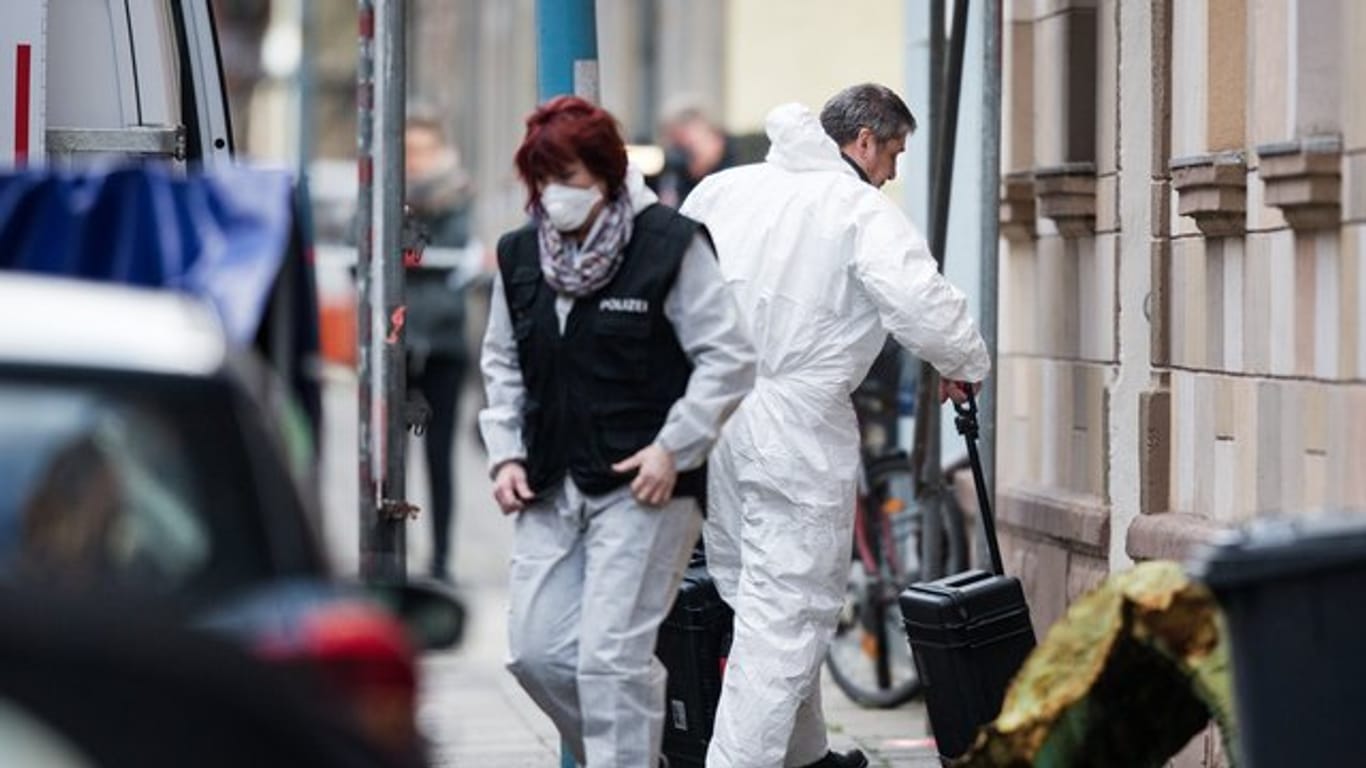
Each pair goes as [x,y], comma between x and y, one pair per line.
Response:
[654,483]
[510,488]
[957,391]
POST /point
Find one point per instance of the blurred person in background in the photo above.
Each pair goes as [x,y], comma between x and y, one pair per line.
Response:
[439,197]
[70,517]
[824,267]
[614,353]
[694,146]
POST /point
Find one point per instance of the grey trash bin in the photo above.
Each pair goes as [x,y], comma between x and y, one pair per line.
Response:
[1294,595]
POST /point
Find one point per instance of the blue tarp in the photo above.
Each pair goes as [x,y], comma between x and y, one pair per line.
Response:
[219,236]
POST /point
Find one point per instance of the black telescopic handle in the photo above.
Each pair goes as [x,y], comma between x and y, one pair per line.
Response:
[966,422]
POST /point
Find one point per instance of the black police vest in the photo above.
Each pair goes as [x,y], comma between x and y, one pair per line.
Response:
[602,390]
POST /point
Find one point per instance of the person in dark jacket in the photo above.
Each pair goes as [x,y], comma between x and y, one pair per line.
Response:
[614,354]
[695,147]
[439,199]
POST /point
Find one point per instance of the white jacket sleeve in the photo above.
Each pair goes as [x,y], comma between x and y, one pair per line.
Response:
[501,421]
[917,305]
[707,322]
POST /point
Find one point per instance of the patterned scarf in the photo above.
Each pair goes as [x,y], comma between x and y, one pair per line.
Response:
[598,257]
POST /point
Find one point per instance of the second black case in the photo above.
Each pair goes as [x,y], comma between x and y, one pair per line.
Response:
[694,641]
[970,632]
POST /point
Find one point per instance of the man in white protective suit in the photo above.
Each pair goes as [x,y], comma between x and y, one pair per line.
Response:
[823,266]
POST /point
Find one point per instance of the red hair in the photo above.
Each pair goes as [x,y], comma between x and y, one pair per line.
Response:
[566,129]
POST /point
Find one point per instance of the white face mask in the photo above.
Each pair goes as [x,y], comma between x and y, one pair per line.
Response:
[568,207]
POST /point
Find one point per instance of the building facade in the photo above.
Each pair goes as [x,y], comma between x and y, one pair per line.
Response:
[1183,298]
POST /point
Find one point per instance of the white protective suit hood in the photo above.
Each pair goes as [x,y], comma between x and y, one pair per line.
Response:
[798,143]
[823,266]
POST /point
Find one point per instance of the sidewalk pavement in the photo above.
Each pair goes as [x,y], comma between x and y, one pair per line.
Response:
[475,715]
[471,710]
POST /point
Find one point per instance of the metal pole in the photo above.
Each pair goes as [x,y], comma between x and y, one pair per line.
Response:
[948,133]
[368,511]
[926,457]
[648,30]
[937,57]
[381,100]
[566,63]
[307,44]
[391,112]
[991,225]
[567,49]
[925,448]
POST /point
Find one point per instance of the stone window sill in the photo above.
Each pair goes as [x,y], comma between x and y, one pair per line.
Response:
[1078,522]
[1067,195]
[1017,206]
[1169,536]
[1212,189]
[1304,179]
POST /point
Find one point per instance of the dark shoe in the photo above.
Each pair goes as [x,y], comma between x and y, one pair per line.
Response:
[854,758]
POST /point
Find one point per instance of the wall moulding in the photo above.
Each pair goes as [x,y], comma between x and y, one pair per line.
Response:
[1170,536]
[1067,195]
[1017,206]
[1212,189]
[1079,522]
[1304,179]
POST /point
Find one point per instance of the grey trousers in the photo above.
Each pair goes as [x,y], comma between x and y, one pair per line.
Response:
[591,580]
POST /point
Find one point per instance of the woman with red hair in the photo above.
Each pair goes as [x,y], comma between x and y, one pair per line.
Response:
[613,355]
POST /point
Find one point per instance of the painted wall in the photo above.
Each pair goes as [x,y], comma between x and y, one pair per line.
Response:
[806,50]
[1183,332]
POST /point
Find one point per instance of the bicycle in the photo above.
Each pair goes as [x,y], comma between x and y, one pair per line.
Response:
[869,657]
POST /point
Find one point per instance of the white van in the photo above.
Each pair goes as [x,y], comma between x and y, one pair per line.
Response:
[111,77]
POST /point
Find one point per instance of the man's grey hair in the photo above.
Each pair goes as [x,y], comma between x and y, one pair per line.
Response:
[869,105]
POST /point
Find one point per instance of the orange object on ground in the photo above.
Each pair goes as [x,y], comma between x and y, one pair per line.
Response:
[337,327]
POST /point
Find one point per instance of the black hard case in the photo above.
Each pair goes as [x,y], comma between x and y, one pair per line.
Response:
[969,633]
[693,644]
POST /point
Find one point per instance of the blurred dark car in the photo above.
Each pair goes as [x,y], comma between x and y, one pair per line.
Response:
[90,681]
[143,458]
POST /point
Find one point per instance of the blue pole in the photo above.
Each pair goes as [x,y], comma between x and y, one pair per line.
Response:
[566,64]
[567,49]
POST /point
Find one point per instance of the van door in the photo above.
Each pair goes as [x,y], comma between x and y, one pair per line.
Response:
[135,77]
[22,82]
[204,95]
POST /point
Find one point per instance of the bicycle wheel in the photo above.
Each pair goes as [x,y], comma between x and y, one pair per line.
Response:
[955,535]
[869,657]
[953,525]
[906,520]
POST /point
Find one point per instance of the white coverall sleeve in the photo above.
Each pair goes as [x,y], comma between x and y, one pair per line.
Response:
[707,322]
[916,304]
[501,420]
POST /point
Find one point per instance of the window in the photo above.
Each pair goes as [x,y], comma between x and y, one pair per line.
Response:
[105,488]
